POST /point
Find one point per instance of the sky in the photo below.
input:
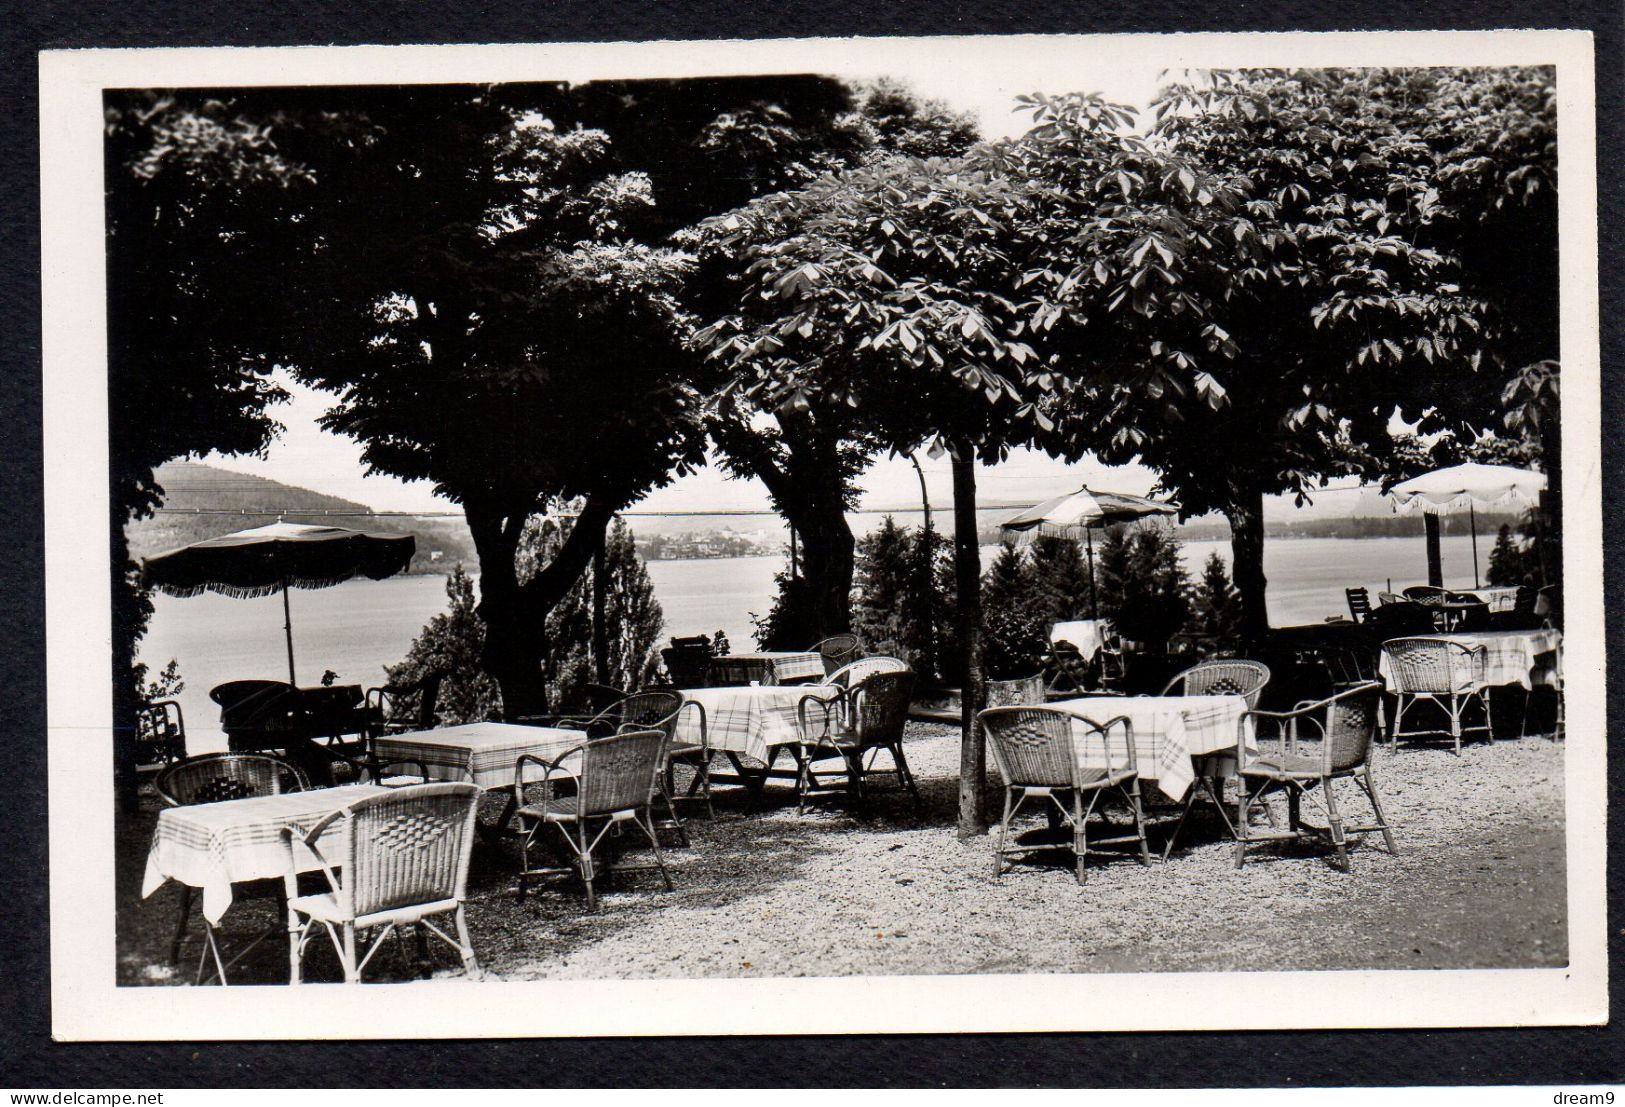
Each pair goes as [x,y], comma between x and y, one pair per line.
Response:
[983,83]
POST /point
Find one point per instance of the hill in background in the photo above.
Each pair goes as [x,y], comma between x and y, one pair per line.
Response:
[236,501]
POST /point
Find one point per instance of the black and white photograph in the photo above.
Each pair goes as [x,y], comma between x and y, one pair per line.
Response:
[833,535]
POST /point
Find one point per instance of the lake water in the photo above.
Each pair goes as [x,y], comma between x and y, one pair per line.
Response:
[358,627]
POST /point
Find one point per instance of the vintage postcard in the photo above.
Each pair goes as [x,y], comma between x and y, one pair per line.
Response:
[824,536]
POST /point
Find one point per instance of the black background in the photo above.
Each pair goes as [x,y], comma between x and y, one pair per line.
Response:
[28,1058]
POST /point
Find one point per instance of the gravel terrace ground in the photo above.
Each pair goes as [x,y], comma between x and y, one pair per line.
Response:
[1478,883]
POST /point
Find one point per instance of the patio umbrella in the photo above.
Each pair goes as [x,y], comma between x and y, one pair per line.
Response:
[1079,514]
[1469,486]
[257,562]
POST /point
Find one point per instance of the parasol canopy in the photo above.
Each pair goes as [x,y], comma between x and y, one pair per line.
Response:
[1074,514]
[273,558]
[1472,485]
[1467,486]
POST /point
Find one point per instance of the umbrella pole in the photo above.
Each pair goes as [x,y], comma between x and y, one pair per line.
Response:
[1094,600]
[287,629]
[1472,523]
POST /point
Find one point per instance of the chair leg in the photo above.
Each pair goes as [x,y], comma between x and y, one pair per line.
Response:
[905,775]
[654,840]
[1004,828]
[1080,836]
[584,862]
[352,970]
[1139,820]
[1243,803]
[295,948]
[1334,823]
[471,964]
[1376,806]
[1455,722]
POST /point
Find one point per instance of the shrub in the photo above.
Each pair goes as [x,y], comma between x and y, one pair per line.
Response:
[905,599]
[1144,589]
[1216,603]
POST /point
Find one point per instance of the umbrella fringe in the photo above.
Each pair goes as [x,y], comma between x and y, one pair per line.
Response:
[255,591]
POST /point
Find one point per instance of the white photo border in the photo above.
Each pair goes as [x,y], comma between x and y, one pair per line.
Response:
[87,1004]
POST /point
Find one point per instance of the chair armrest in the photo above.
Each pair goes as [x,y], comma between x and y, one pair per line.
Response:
[705,737]
[548,768]
[377,768]
[825,703]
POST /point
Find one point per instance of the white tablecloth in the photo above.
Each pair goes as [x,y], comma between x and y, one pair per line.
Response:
[749,720]
[1498,599]
[213,845]
[767,667]
[1524,657]
[483,753]
[1086,634]
[1168,732]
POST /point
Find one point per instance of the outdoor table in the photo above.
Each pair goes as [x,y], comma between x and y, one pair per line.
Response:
[756,722]
[215,845]
[1499,600]
[1522,657]
[1086,634]
[768,667]
[483,754]
[748,721]
[1169,731]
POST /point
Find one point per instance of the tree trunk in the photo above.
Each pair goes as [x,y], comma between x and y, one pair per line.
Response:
[1246,518]
[1430,529]
[515,639]
[828,555]
[973,685]
[515,614]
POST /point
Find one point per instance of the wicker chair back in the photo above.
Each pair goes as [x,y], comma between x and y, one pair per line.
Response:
[408,846]
[1222,678]
[853,673]
[213,777]
[1432,665]
[838,650]
[618,772]
[880,707]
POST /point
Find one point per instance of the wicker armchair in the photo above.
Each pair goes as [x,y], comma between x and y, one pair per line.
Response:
[213,778]
[1046,754]
[870,717]
[838,650]
[403,708]
[1222,678]
[1312,745]
[1213,678]
[658,710]
[1448,674]
[613,787]
[160,734]
[402,859]
[688,662]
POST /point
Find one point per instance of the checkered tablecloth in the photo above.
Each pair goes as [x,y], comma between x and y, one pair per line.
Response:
[1168,732]
[749,720]
[1524,657]
[1086,634]
[213,845]
[483,753]
[1498,599]
[768,668]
